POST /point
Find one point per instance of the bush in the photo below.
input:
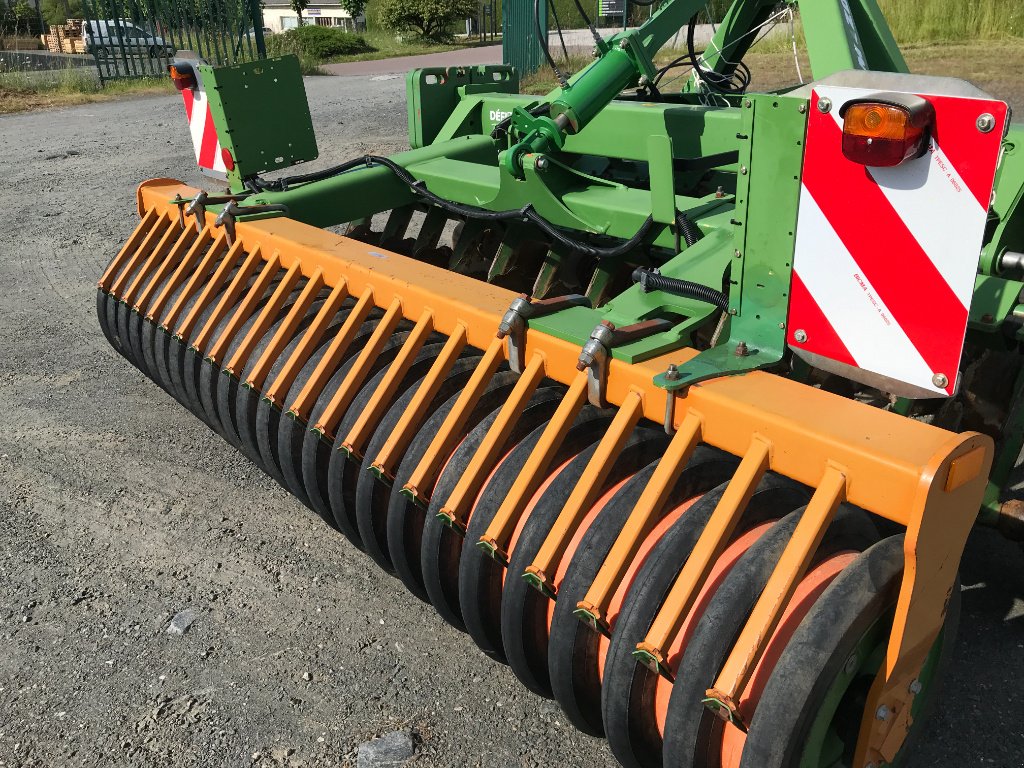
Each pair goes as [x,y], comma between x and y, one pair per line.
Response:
[430,19]
[316,43]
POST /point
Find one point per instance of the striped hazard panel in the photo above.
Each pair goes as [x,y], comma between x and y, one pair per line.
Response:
[886,258]
[209,154]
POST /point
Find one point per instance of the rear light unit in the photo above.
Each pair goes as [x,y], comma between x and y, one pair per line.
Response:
[886,129]
[183,76]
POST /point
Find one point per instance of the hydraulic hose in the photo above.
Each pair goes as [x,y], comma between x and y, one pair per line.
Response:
[650,280]
[690,232]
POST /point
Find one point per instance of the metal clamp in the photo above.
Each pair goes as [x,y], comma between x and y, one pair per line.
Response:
[596,353]
[523,308]
[229,215]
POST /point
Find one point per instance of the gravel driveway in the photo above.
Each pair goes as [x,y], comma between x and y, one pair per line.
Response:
[119,509]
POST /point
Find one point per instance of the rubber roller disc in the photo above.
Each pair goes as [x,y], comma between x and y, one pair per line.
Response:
[810,710]
[693,733]
[441,549]
[481,578]
[525,612]
[374,511]
[629,689]
[316,448]
[343,472]
[575,650]
[342,496]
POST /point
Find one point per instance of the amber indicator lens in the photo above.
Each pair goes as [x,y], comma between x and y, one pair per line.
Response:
[183,77]
[884,135]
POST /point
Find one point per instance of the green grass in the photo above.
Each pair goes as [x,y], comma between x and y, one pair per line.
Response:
[944,20]
[387,45]
[24,91]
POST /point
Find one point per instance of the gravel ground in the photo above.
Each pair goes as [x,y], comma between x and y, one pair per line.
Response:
[120,510]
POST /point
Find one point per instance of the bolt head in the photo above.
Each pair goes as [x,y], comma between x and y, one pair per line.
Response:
[542,163]
[824,105]
[882,713]
[624,44]
[672,374]
[940,380]
[802,108]
[738,254]
[986,123]
[916,687]
[743,170]
[800,335]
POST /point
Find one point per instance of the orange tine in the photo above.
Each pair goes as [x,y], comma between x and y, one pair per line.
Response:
[307,346]
[286,330]
[456,510]
[592,609]
[779,590]
[397,442]
[362,430]
[181,247]
[184,269]
[265,319]
[213,285]
[709,548]
[152,237]
[152,264]
[300,409]
[425,474]
[332,415]
[228,300]
[131,247]
[541,572]
[196,278]
[249,303]
[496,538]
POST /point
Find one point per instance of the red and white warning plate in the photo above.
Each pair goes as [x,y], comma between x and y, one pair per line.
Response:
[886,258]
[209,154]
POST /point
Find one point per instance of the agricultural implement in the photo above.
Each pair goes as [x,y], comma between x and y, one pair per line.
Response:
[683,404]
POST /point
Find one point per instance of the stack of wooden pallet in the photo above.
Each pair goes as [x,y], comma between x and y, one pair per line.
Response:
[65,38]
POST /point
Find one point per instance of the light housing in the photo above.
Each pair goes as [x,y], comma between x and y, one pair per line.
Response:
[886,129]
[183,76]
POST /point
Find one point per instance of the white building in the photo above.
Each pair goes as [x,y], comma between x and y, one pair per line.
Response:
[279,16]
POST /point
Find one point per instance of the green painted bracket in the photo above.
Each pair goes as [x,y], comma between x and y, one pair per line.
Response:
[433,93]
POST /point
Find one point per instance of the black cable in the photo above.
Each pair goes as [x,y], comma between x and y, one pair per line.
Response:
[589,23]
[735,83]
[558,26]
[691,232]
[650,280]
[543,40]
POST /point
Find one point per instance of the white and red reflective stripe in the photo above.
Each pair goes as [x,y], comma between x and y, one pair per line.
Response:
[886,258]
[209,155]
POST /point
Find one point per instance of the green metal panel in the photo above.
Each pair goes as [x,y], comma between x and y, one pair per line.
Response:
[432,94]
[520,47]
[262,115]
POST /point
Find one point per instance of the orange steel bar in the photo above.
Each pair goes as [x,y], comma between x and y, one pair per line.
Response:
[641,521]
[210,290]
[360,370]
[332,356]
[181,273]
[156,257]
[258,330]
[355,441]
[456,509]
[174,257]
[285,331]
[495,540]
[813,426]
[942,515]
[153,236]
[790,569]
[238,283]
[142,232]
[712,541]
[541,572]
[421,482]
[305,348]
[197,279]
[248,306]
[394,447]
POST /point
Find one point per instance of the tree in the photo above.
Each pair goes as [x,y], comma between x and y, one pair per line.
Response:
[299,6]
[354,7]
[431,19]
[59,11]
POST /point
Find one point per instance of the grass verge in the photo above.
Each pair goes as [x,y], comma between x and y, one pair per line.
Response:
[24,91]
[386,46]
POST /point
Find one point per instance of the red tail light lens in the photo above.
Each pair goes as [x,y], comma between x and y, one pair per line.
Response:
[183,76]
[887,130]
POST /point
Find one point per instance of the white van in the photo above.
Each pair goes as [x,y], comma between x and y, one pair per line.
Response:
[108,37]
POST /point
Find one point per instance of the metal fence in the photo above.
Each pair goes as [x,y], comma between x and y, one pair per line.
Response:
[520,43]
[139,38]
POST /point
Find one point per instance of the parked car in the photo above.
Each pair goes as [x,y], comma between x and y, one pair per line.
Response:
[108,37]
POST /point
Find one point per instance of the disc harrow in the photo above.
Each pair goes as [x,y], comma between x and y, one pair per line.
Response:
[658,561]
